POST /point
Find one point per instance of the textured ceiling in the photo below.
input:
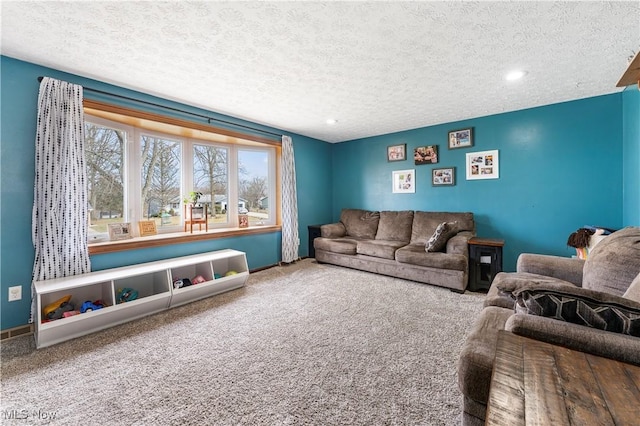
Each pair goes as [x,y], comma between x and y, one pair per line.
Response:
[376,67]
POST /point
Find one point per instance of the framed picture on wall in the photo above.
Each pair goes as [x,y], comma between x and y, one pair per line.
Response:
[462,138]
[404,181]
[425,155]
[483,165]
[443,177]
[397,152]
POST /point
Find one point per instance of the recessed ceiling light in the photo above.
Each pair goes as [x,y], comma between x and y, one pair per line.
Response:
[515,75]
[331,121]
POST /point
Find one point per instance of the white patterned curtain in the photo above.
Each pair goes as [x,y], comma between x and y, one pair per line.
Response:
[289,203]
[60,200]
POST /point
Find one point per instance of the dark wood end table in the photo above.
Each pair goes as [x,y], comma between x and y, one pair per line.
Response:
[485,261]
[314,232]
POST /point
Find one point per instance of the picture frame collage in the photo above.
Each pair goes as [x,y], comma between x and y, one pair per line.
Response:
[479,165]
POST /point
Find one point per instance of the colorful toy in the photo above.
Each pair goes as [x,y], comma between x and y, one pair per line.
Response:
[198,279]
[126,295]
[217,276]
[70,314]
[56,310]
[89,306]
[181,282]
[232,272]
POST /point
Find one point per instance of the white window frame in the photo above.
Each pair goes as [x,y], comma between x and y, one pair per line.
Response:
[132,208]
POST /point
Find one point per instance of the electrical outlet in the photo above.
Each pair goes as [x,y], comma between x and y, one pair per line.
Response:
[15,293]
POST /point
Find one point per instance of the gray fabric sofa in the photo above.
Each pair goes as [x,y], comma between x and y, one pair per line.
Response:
[394,243]
[590,305]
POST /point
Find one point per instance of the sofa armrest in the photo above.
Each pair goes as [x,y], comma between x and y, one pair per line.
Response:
[458,244]
[620,347]
[333,230]
[563,268]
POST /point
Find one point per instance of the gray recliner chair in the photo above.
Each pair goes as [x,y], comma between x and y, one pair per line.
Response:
[526,302]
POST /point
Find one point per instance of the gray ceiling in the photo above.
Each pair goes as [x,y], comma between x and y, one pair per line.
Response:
[376,67]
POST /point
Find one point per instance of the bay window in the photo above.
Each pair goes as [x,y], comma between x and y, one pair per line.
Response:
[136,173]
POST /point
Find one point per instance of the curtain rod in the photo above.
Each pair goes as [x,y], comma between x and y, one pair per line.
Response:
[209,119]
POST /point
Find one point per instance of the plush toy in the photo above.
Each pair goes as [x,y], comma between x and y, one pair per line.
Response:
[584,239]
[181,282]
[198,279]
[580,238]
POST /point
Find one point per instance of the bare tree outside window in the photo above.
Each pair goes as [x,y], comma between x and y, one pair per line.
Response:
[210,176]
[160,179]
[253,191]
[104,151]
[253,180]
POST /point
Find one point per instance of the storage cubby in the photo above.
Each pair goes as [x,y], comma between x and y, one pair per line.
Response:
[191,271]
[98,291]
[149,284]
[223,265]
[227,259]
[153,282]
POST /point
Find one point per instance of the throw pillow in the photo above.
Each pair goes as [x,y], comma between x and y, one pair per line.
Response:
[438,240]
[589,308]
[633,292]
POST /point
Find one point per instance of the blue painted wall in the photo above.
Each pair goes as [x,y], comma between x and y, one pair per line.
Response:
[560,169]
[19,95]
[631,155]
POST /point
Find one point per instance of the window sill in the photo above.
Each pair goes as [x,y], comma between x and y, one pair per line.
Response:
[178,238]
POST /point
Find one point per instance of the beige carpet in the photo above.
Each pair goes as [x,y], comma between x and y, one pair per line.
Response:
[303,344]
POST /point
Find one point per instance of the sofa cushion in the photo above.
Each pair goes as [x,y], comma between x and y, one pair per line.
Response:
[425,224]
[333,230]
[415,254]
[563,268]
[581,306]
[510,282]
[505,283]
[442,234]
[360,223]
[336,245]
[614,262]
[395,226]
[633,292]
[379,248]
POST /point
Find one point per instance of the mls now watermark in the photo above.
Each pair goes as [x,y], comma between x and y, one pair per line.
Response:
[27,415]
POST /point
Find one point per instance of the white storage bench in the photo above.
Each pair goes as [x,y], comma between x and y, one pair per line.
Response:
[153,283]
